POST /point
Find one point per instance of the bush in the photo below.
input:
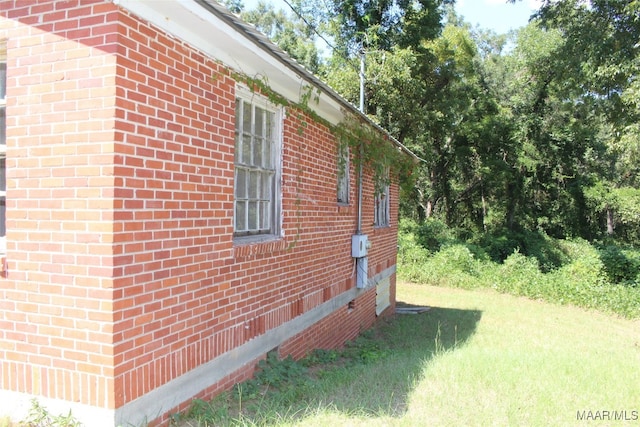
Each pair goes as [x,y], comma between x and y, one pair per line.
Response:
[453,266]
[621,266]
[498,247]
[546,250]
[560,271]
[456,258]
[433,234]
[412,258]
[519,275]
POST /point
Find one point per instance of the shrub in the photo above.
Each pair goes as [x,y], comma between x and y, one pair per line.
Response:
[585,267]
[498,247]
[621,266]
[547,251]
[456,258]
[412,258]
[520,275]
[433,234]
[561,271]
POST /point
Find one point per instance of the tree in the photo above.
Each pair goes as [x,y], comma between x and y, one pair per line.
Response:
[385,24]
[434,99]
[543,136]
[293,34]
[234,6]
[601,56]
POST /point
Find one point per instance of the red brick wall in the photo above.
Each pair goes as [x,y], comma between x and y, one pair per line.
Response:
[172,208]
[184,293]
[123,274]
[332,331]
[56,296]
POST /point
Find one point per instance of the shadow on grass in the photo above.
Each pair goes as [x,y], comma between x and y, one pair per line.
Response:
[455,326]
[372,376]
[407,343]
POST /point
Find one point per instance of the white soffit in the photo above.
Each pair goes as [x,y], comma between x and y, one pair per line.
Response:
[207,26]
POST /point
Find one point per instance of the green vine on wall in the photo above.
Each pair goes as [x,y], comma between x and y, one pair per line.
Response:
[375,152]
[307,94]
[372,150]
[260,84]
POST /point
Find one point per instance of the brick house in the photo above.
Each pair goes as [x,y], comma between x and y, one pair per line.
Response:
[164,225]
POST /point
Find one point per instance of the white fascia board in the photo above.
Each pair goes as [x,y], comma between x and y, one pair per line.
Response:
[189,21]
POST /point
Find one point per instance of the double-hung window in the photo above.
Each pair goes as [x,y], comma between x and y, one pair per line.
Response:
[3,147]
[257,166]
[381,207]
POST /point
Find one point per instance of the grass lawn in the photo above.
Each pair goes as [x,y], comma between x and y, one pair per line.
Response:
[476,358]
[524,363]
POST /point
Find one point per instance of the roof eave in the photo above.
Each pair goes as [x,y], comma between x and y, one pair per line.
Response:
[207,25]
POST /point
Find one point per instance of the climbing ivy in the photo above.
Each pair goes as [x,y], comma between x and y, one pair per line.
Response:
[372,150]
[376,152]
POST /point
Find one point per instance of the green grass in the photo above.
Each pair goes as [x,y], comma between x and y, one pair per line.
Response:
[528,363]
[39,416]
[476,358]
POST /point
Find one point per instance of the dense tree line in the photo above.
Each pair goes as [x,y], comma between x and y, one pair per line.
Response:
[537,130]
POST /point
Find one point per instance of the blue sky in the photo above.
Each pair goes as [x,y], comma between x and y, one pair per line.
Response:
[497,15]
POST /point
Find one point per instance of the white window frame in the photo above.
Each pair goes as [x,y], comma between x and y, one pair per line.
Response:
[381,206]
[257,195]
[343,175]
[3,148]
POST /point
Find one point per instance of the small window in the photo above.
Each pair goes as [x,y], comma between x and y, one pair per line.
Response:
[343,174]
[381,207]
[3,147]
[257,165]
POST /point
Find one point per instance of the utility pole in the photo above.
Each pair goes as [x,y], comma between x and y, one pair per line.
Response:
[362,56]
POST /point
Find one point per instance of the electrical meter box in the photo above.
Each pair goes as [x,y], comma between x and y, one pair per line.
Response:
[359,245]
